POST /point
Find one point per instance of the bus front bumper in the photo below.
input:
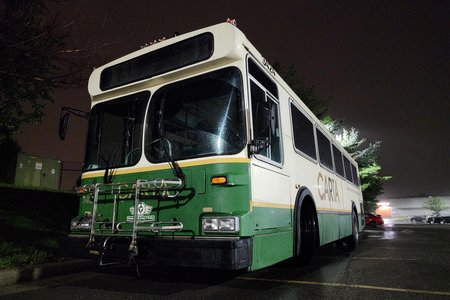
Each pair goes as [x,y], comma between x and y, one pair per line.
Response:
[214,253]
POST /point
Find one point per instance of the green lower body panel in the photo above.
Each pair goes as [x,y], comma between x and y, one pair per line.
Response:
[345,225]
[334,226]
[269,249]
[270,217]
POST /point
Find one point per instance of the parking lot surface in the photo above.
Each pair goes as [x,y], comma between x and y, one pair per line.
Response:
[404,261]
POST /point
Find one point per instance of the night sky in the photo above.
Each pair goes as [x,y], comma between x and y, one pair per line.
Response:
[385,63]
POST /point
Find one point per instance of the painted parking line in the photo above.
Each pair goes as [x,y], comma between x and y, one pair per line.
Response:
[354,286]
[388,258]
[370,258]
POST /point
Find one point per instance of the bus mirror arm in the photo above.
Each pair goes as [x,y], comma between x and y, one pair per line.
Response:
[64,119]
[257,145]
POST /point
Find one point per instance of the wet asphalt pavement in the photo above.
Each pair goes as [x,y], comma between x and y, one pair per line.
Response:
[392,262]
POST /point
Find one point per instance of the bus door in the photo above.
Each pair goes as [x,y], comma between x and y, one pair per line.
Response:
[270,183]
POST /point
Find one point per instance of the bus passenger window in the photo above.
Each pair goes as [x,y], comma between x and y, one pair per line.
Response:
[338,166]
[303,130]
[324,150]
[355,175]
[348,172]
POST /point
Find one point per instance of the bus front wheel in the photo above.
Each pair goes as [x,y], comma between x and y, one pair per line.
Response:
[306,234]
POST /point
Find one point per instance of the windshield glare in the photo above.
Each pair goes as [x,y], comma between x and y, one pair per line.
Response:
[115,132]
[201,116]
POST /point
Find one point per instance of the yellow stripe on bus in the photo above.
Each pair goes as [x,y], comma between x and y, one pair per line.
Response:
[166,166]
[254,203]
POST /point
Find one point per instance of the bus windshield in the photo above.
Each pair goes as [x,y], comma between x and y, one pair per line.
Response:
[197,117]
[115,132]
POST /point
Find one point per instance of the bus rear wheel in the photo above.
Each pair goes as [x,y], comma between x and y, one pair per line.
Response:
[353,240]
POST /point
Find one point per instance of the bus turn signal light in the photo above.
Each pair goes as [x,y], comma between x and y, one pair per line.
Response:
[219,180]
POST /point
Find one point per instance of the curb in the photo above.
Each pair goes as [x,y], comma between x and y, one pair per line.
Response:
[24,274]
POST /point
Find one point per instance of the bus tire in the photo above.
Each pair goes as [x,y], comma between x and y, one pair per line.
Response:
[353,240]
[305,233]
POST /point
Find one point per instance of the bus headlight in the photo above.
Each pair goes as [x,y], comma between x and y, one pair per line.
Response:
[210,224]
[220,224]
[80,223]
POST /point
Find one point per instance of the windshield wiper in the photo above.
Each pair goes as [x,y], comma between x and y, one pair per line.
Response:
[109,173]
[166,148]
[172,162]
[166,144]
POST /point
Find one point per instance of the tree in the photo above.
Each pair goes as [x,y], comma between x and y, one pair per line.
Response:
[435,204]
[35,61]
[319,106]
[368,163]
[8,160]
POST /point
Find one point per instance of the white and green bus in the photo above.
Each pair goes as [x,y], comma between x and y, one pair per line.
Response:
[199,154]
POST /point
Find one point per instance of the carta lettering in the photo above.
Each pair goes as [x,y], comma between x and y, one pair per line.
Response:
[327,187]
[130,195]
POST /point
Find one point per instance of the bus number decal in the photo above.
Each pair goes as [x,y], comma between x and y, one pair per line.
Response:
[268,66]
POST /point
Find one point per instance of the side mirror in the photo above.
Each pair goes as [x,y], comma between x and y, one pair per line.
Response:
[63,125]
[64,119]
[257,145]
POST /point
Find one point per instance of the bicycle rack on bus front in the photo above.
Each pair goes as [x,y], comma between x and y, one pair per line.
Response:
[165,188]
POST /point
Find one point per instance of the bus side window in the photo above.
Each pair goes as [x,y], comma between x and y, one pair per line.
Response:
[303,130]
[325,155]
[355,175]
[348,172]
[338,162]
[265,117]
[266,122]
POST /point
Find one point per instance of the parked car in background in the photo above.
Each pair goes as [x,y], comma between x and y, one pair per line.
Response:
[418,219]
[439,220]
[373,220]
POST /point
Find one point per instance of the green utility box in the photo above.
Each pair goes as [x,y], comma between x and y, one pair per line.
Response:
[38,172]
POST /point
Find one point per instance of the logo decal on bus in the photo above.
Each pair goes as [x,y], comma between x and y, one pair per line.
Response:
[143,213]
[328,189]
